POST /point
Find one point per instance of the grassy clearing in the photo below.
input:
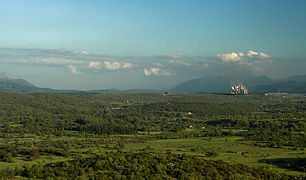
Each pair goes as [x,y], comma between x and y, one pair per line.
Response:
[230,149]
[19,161]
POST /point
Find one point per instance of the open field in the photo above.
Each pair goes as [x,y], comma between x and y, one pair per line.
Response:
[229,149]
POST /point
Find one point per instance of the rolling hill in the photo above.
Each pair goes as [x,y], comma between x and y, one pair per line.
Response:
[20,85]
[16,85]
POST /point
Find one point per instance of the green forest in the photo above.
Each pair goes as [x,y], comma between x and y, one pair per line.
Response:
[152,136]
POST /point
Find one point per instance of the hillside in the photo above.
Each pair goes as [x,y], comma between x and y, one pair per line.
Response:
[16,85]
[209,84]
[255,84]
[20,85]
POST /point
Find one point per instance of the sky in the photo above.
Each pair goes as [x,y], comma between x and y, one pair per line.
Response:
[100,44]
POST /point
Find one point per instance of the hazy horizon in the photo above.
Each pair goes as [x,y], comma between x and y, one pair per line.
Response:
[149,44]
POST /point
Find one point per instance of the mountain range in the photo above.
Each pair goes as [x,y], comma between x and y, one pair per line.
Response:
[209,84]
[255,84]
[22,86]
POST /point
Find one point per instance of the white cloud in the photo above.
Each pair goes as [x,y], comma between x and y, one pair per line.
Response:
[126,65]
[94,65]
[147,72]
[242,58]
[263,55]
[73,69]
[152,71]
[179,62]
[112,65]
[117,65]
[253,54]
[155,71]
[232,57]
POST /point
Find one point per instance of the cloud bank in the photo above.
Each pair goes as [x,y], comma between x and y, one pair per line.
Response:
[243,58]
[145,71]
[117,65]
[94,65]
[82,62]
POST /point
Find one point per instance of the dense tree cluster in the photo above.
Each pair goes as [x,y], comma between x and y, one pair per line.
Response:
[280,121]
[144,165]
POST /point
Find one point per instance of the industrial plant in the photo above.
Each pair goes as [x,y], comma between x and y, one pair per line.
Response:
[240,89]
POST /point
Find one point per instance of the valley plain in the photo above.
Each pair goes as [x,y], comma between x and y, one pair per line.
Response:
[152,135]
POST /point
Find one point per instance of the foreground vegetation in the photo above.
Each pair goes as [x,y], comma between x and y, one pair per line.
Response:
[129,165]
[135,134]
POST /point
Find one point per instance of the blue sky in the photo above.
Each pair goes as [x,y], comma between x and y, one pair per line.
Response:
[134,33]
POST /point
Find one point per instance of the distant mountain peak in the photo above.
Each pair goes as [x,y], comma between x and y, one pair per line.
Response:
[255,84]
[16,85]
